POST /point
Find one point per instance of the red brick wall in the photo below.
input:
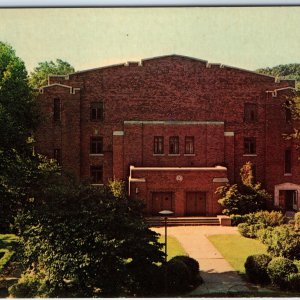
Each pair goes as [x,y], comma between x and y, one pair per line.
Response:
[171,88]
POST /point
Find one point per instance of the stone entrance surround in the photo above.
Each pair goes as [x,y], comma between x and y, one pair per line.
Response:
[144,181]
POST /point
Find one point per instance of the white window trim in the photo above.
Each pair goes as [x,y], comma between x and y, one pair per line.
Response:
[250,155]
[96,154]
[174,154]
[158,154]
[189,154]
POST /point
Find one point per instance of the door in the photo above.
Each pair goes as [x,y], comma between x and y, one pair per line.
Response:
[195,204]
[289,199]
[161,201]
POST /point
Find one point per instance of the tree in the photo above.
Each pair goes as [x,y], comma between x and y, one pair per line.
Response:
[245,198]
[288,71]
[18,120]
[39,77]
[81,241]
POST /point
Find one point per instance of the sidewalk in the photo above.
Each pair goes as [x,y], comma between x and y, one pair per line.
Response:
[219,277]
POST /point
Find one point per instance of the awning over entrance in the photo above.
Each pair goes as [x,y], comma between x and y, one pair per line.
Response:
[185,190]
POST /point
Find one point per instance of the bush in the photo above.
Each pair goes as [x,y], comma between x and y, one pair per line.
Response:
[282,241]
[279,269]
[28,286]
[247,230]
[237,219]
[193,267]
[297,220]
[178,276]
[256,268]
[294,282]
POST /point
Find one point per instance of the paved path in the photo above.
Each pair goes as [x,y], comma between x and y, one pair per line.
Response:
[218,275]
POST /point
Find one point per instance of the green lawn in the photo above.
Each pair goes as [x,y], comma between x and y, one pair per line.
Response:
[8,244]
[236,249]
[174,247]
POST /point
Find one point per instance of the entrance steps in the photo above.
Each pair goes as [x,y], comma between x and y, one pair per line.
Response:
[183,221]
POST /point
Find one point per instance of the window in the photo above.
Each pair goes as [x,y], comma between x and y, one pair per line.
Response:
[189,145]
[57,155]
[158,145]
[96,174]
[96,145]
[288,112]
[56,109]
[174,145]
[96,111]
[288,161]
[250,112]
[249,145]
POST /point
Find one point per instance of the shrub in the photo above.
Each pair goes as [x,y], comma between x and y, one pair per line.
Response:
[193,267]
[256,268]
[28,286]
[266,218]
[178,276]
[237,219]
[282,241]
[297,220]
[279,269]
[247,230]
[294,282]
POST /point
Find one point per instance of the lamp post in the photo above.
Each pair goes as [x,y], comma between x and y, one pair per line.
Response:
[165,214]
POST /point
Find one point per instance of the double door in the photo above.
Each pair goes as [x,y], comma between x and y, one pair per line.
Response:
[195,204]
[161,201]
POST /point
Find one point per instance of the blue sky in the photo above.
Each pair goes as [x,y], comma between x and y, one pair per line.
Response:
[246,37]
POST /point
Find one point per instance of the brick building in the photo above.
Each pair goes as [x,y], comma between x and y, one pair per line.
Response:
[174,128]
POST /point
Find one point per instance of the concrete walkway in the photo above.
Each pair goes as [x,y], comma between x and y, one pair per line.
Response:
[219,277]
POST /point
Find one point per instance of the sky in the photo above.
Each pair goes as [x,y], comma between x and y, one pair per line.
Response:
[245,37]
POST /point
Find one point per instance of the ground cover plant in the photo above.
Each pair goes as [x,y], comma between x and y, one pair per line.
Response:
[236,249]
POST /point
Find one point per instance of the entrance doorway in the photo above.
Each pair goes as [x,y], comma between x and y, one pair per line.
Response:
[288,199]
[195,204]
[161,201]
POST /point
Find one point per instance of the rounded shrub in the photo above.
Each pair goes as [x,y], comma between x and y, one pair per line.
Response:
[191,263]
[249,231]
[294,282]
[178,276]
[279,269]
[256,268]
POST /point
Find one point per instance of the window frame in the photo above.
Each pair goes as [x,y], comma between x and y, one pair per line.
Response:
[96,111]
[174,145]
[95,143]
[158,145]
[250,146]
[288,161]
[56,109]
[96,170]
[250,112]
[189,145]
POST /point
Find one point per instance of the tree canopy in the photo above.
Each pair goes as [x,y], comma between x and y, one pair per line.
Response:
[18,120]
[39,77]
[288,71]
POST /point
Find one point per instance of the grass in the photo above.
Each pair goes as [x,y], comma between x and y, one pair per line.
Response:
[8,244]
[236,249]
[174,247]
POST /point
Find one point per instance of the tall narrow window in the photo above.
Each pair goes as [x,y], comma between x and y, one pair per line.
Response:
[158,145]
[96,145]
[96,174]
[57,155]
[250,112]
[288,161]
[96,111]
[189,145]
[249,145]
[288,112]
[174,145]
[56,109]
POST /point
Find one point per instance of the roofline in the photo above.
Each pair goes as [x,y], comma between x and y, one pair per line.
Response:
[164,56]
